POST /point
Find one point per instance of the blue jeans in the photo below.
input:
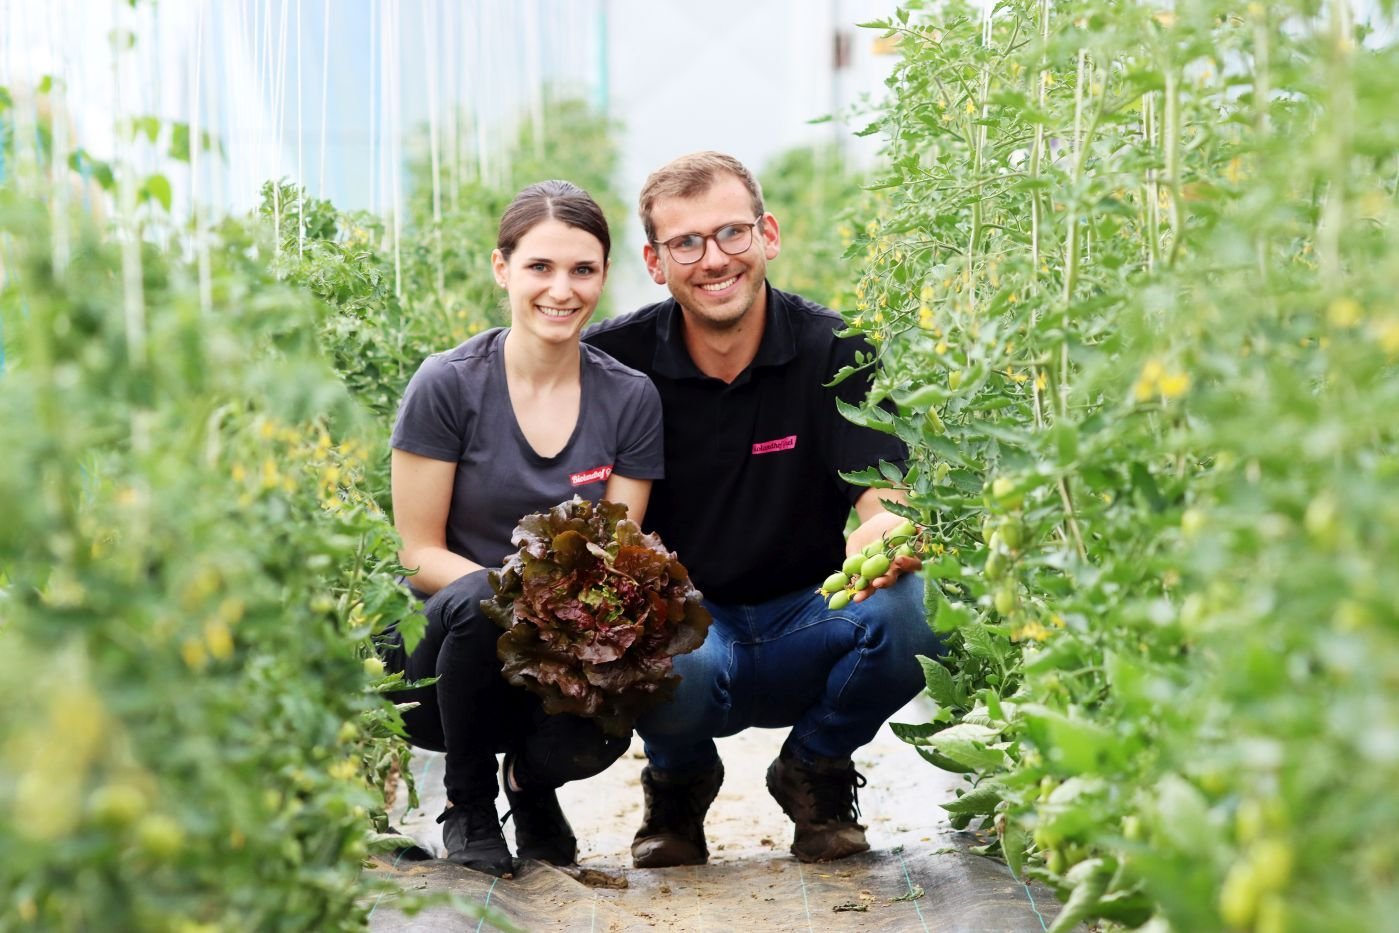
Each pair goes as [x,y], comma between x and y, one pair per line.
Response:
[834,676]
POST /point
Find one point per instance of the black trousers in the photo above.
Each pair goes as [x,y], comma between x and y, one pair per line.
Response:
[472,714]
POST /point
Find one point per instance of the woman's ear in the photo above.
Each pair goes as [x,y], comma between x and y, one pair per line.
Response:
[499,266]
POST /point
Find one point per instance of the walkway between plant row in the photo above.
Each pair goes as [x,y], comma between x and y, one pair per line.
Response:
[919,875]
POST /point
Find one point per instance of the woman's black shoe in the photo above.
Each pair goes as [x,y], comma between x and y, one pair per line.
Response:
[472,836]
[541,830]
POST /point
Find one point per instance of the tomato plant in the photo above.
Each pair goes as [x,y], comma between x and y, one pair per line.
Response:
[1131,276]
[194,553]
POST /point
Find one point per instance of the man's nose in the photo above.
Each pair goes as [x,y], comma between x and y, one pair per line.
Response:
[714,257]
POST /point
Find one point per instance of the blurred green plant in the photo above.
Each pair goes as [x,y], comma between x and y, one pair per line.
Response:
[397,296]
[191,563]
[1133,282]
[813,193]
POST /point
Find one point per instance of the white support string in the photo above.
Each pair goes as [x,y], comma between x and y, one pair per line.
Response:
[58,160]
[449,31]
[300,166]
[196,155]
[395,146]
[325,91]
[431,38]
[373,104]
[279,109]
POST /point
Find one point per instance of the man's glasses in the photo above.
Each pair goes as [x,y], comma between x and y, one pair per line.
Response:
[733,239]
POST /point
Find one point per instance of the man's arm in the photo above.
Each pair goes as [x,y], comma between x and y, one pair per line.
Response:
[875,522]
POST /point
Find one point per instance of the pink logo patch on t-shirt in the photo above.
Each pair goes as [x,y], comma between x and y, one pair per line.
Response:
[595,475]
[772,447]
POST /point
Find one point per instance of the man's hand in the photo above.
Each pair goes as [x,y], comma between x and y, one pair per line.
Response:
[899,565]
[877,524]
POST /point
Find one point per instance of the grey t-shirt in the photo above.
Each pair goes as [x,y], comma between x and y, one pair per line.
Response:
[457,408]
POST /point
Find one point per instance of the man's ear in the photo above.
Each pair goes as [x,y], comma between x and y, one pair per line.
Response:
[772,237]
[653,263]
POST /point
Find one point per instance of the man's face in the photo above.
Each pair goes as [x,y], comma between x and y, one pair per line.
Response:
[717,291]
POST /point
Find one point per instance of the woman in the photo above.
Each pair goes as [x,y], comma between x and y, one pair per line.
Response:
[512,421]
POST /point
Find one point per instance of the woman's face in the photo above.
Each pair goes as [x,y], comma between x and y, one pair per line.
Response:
[554,278]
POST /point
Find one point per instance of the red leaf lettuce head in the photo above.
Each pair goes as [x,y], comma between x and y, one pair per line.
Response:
[594,611]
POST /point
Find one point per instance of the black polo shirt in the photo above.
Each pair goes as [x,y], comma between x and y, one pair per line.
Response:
[751,501]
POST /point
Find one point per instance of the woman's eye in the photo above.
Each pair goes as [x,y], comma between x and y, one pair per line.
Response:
[583,270]
[539,267]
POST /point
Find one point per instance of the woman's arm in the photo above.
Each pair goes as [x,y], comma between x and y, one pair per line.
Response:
[422,497]
[633,493]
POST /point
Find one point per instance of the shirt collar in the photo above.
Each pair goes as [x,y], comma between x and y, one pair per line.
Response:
[778,346]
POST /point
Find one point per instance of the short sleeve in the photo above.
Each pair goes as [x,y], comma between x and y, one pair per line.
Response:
[641,441]
[851,447]
[432,416]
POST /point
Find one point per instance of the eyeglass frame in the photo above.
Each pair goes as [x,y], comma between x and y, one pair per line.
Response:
[706,237]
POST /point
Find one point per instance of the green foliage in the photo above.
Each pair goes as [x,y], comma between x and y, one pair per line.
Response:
[811,192]
[1131,274]
[185,594]
[194,553]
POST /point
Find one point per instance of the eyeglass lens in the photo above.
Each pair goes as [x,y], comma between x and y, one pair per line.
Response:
[732,239]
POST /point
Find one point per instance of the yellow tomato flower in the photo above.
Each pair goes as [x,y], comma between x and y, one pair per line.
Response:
[1344,312]
[1174,385]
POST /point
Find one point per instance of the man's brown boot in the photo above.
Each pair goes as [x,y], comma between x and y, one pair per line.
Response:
[820,797]
[672,831]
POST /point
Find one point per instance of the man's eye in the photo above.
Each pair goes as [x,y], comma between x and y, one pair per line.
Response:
[729,234]
[688,242]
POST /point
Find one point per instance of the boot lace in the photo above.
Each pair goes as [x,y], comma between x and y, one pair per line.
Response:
[835,797]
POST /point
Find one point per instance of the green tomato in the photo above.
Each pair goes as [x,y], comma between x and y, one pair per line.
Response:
[1003,491]
[860,583]
[873,548]
[904,529]
[954,379]
[1012,533]
[852,564]
[834,582]
[904,550]
[875,566]
[838,600]
[995,565]
[160,837]
[117,806]
[1005,600]
[935,420]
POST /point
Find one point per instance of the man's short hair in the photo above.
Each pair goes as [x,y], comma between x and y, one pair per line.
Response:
[691,175]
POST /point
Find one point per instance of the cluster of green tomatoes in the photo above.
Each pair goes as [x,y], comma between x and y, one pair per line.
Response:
[859,570]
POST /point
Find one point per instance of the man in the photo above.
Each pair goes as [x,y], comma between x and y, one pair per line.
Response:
[753,504]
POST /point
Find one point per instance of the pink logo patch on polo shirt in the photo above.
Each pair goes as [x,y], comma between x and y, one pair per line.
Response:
[772,447]
[595,475]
